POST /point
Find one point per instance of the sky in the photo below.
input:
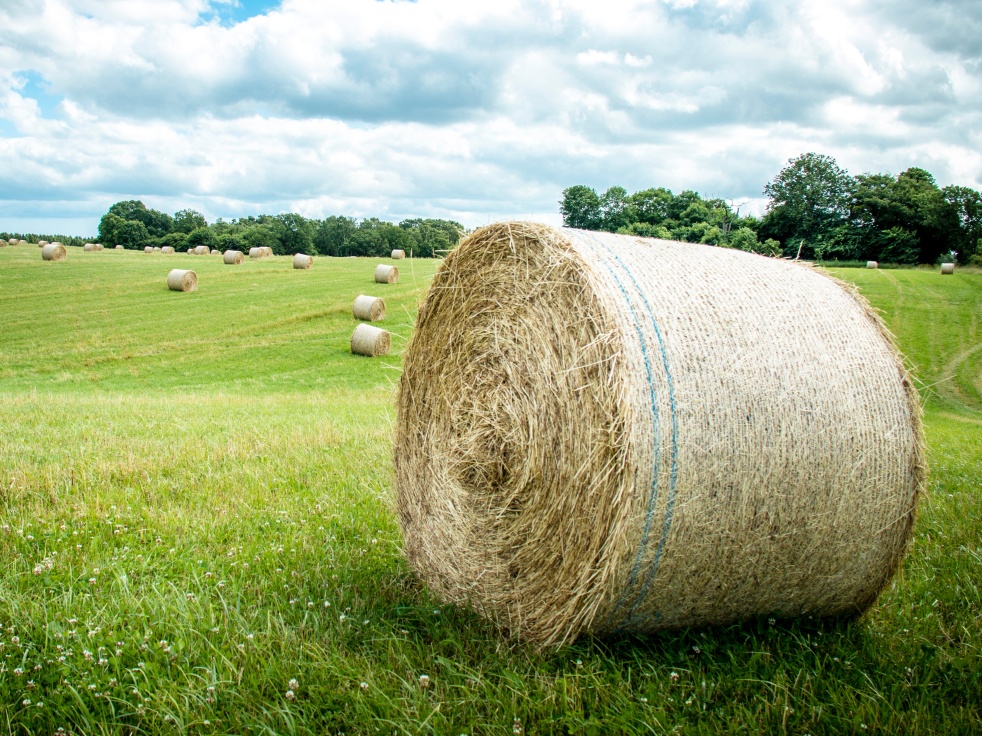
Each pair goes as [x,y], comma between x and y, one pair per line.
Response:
[466,109]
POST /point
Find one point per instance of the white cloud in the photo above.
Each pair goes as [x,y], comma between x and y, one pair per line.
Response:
[471,110]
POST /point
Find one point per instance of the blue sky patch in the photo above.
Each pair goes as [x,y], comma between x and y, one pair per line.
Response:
[236,11]
[37,88]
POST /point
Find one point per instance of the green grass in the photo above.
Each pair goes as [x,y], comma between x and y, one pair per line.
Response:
[197,509]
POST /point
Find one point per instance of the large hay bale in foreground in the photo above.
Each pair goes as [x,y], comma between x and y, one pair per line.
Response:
[398,255]
[947,268]
[370,341]
[386,274]
[54,252]
[182,280]
[601,433]
[233,257]
[368,307]
[302,261]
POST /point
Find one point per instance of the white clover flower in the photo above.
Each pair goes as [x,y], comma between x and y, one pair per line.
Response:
[424,681]
[293,684]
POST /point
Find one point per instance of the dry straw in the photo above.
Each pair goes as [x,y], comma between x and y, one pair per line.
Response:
[872,264]
[370,308]
[386,274]
[398,254]
[370,341]
[54,252]
[947,268]
[302,261]
[182,280]
[233,257]
[4,243]
[600,433]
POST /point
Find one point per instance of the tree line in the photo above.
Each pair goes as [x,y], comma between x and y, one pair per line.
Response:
[815,210]
[133,225]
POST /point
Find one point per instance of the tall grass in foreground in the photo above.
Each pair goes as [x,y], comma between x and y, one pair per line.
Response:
[196,535]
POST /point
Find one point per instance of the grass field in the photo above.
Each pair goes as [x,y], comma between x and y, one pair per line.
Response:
[198,537]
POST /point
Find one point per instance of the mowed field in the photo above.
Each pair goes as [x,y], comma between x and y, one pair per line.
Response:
[198,535]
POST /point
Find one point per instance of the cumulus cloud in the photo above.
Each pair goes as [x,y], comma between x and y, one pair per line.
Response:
[470,110]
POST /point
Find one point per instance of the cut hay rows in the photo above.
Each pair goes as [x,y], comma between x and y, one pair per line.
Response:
[398,255]
[370,341]
[386,274]
[370,308]
[600,433]
[54,252]
[947,268]
[182,280]
[233,257]
[302,261]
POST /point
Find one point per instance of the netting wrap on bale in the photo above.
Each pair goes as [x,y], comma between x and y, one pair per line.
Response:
[182,280]
[601,433]
[386,274]
[370,308]
[302,261]
[233,257]
[54,252]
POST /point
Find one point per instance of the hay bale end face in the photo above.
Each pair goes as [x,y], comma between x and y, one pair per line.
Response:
[398,255]
[872,264]
[386,274]
[54,252]
[255,253]
[947,268]
[369,308]
[370,341]
[182,280]
[679,454]
[302,261]
[233,257]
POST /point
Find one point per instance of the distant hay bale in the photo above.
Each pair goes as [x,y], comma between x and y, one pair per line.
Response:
[167,250]
[201,250]
[370,341]
[216,252]
[54,252]
[398,254]
[22,242]
[368,307]
[119,247]
[4,243]
[872,264]
[233,257]
[190,251]
[148,249]
[386,274]
[156,249]
[42,243]
[182,280]
[602,433]
[12,241]
[302,261]
[947,268]
[255,253]
[90,247]
[269,251]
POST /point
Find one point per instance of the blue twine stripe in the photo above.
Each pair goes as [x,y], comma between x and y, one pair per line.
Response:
[653,495]
[673,474]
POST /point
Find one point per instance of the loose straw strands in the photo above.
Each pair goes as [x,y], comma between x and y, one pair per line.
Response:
[182,280]
[386,274]
[600,433]
[369,308]
[370,341]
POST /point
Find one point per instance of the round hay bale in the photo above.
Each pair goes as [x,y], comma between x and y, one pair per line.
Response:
[201,250]
[872,264]
[22,242]
[156,249]
[119,247]
[398,254]
[4,243]
[42,243]
[255,253]
[182,280]
[600,433]
[190,251]
[216,252]
[233,257]
[12,241]
[370,341]
[167,250]
[268,251]
[302,261]
[148,249]
[370,308]
[947,268]
[386,274]
[54,252]
[88,247]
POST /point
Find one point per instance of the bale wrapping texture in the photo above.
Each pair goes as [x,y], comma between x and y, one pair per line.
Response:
[398,254]
[872,264]
[947,268]
[54,252]
[182,280]
[233,257]
[370,341]
[386,274]
[368,307]
[302,261]
[601,433]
